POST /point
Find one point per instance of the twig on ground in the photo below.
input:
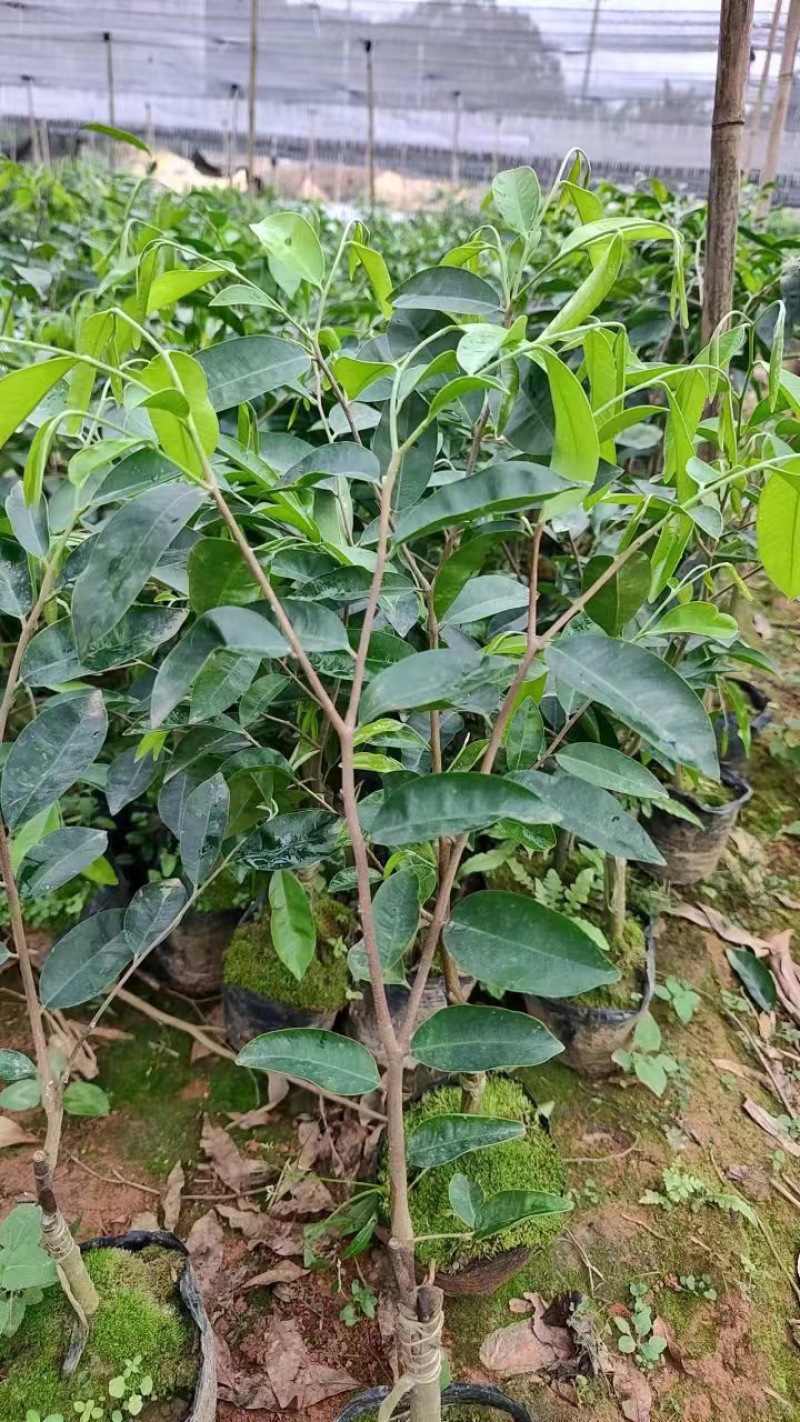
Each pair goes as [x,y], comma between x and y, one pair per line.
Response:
[115,1179]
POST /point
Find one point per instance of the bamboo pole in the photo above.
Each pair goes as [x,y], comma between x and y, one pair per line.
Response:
[112,105]
[752,135]
[587,73]
[455,155]
[780,108]
[733,61]
[370,123]
[251,96]
[36,150]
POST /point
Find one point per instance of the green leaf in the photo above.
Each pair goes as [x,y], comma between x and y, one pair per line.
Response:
[119,135]
[480,344]
[86,960]
[325,1059]
[58,858]
[647,1034]
[292,241]
[449,289]
[21,1096]
[482,598]
[474,1039]
[611,770]
[591,292]
[696,619]
[50,754]
[242,369]
[513,1207]
[518,198]
[36,462]
[15,1066]
[592,814]
[173,286]
[518,945]
[203,827]
[29,525]
[441,1139]
[651,1074]
[172,371]
[152,912]
[631,228]
[225,677]
[129,775]
[97,456]
[466,1198]
[776,356]
[778,530]
[22,391]
[755,976]
[242,629]
[83,1098]
[576,449]
[504,487]
[452,803]
[378,274]
[344,459]
[524,736]
[619,599]
[292,928]
[123,556]
[643,691]
[469,681]
[16,594]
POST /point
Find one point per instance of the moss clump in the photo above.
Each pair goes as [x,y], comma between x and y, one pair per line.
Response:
[140,1313]
[251,961]
[225,892]
[628,955]
[531,1163]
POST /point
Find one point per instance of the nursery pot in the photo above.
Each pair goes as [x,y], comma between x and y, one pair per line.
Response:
[458,1395]
[248,1014]
[191,957]
[204,1402]
[591,1035]
[480,1276]
[726,727]
[361,1021]
[692,852]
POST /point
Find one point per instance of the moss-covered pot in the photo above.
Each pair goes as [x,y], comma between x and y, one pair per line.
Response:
[591,1035]
[692,852]
[457,1396]
[200,1378]
[259,992]
[191,957]
[530,1163]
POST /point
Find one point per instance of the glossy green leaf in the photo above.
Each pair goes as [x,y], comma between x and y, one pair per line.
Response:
[324,1059]
[484,597]
[123,556]
[50,754]
[591,292]
[505,487]
[631,228]
[524,738]
[513,1207]
[440,1139]
[466,1198]
[15,1066]
[576,449]
[646,694]
[592,814]
[776,356]
[449,289]
[472,682]
[177,370]
[152,912]
[621,596]
[518,198]
[345,459]
[610,769]
[696,619]
[88,958]
[85,1098]
[292,241]
[292,927]
[378,273]
[58,858]
[173,286]
[452,803]
[119,135]
[241,628]
[242,369]
[203,827]
[518,945]
[129,776]
[22,390]
[220,683]
[480,344]
[21,1095]
[16,594]
[778,529]
[219,576]
[474,1039]
[755,977]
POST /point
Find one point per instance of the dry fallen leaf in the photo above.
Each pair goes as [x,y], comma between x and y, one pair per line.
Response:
[171,1199]
[12,1134]
[145,1219]
[307,1197]
[762,625]
[237,1173]
[706,917]
[284,1273]
[752,1181]
[205,1244]
[289,1378]
[771,1126]
[281,1236]
[746,1073]
[66,1037]
[530,1347]
[632,1390]
[786,901]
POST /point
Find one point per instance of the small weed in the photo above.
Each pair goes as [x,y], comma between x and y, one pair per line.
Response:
[636,1337]
[362,1306]
[699,1285]
[681,996]
[652,1067]
[681,1188]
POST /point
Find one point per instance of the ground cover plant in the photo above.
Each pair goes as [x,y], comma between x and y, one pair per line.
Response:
[350,598]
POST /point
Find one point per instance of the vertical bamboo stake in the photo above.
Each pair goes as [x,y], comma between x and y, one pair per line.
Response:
[370,124]
[251,96]
[455,156]
[112,106]
[751,137]
[36,151]
[150,132]
[733,60]
[587,73]
[780,108]
[44,136]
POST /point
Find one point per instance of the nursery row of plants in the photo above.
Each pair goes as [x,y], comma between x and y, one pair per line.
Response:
[369,597]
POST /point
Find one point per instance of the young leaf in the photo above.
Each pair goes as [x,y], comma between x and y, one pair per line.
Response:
[291,240]
[51,753]
[518,945]
[325,1059]
[777,524]
[441,1139]
[576,451]
[466,1198]
[22,391]
[524,736]
[518,198]
[292,927]
[473,1039]
[696,619]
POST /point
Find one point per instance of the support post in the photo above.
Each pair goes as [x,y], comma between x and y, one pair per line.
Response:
[36,150]
[752,135]
[780,108]
[233,132]
[733,61]
[370,123]
[112,105]
[251,97]
[455,155]
[150,132]
[587,72]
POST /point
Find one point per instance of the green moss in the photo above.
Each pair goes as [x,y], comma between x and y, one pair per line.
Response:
[532,1163]
[140,1313]
[251,961]
[629,957]
[225,892]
